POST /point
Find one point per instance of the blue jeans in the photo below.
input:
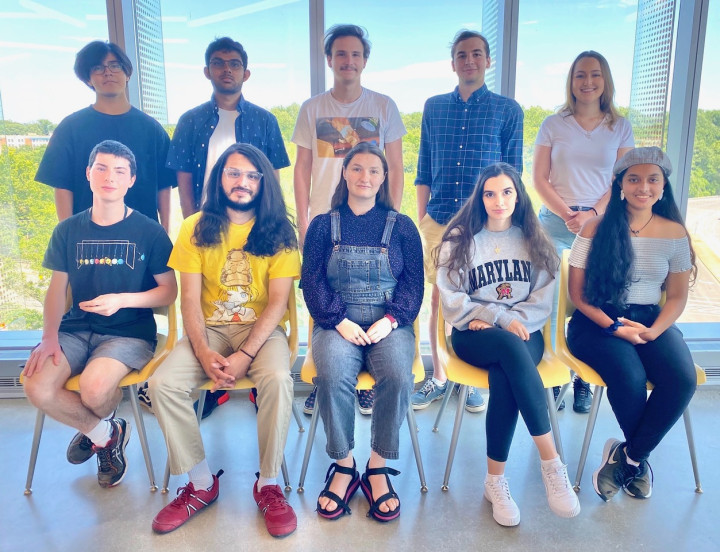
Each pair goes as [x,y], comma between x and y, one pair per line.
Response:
[338,363]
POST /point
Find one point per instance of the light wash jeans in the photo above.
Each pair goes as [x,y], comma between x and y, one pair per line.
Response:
[338,362]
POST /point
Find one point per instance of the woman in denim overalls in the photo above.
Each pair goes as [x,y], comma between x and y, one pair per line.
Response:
[363,285]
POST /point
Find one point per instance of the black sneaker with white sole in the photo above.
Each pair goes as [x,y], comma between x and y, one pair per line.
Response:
[111,461]
[80,449]
[614,472]
[641,485]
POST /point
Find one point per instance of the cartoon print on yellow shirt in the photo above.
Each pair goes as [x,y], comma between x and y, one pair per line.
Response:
[236,275]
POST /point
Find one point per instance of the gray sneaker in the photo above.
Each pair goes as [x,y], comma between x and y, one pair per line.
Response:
[474,401]
[641,485]
[428,393]
[614,472]
[80,449]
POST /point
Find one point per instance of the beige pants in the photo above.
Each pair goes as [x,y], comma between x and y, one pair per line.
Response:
[173,382]
[431,234]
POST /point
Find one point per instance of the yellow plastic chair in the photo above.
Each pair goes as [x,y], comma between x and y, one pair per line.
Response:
[564,312]
[247,384]
[167,337]
[365,382]
[552,371]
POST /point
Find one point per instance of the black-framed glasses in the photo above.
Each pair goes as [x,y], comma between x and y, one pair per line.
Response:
[236,174]
[114,66]
[234,64]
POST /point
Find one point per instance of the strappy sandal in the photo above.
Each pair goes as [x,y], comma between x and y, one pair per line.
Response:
[342,503]
[375,511]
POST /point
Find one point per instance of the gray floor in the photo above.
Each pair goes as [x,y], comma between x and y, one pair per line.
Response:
[68,511]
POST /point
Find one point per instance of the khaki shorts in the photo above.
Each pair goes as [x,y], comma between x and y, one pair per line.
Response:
[431,234]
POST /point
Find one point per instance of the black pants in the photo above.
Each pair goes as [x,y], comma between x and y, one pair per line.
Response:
[515,385]
[626,369]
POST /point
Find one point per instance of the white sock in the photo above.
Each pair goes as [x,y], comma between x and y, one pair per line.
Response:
[101,433]
[264,481]
[200,475]
[630,460]
[550,463]
[439,383]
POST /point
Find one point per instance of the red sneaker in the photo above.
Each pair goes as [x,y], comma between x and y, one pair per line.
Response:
[280,518]
[188,503]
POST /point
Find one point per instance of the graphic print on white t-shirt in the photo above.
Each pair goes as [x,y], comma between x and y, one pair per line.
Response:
[337,135]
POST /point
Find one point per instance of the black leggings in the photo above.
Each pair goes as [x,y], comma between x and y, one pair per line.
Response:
[626,369]
[515,384]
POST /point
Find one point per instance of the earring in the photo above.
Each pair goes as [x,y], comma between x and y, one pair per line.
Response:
[622,195]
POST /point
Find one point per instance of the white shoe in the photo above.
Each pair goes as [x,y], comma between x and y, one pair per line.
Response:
[562,499]
[505,511]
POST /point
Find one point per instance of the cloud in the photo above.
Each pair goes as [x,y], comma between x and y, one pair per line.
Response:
[238,12]
[48,13]
[14,57]
[35,46]
[414,71]
[174,19]
[560,68]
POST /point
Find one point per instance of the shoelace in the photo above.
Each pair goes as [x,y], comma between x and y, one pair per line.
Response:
[103,456]
[500,490]
[428,387]
[557,478]
[583,391]
[272,499]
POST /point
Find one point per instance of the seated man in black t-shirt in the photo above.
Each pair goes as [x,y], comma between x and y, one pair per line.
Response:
[114,259]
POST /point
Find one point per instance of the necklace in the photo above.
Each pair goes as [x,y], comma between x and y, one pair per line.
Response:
[636,232]
[586,132]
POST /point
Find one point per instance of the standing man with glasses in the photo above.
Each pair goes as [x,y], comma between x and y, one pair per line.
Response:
[206,131]
[105,68]
[462,133]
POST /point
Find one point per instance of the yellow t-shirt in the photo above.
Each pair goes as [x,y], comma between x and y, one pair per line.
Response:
[234,283]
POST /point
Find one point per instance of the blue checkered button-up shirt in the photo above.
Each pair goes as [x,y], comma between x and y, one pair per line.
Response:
[254,125]
[460,138]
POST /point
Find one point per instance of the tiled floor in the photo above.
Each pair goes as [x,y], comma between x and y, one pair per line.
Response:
[68,511]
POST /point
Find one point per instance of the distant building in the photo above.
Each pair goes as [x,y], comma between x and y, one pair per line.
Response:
[17,141]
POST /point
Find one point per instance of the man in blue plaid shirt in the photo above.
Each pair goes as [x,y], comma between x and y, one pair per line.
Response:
[462,132]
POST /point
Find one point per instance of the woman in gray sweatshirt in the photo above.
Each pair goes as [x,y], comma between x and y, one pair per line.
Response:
[496,270]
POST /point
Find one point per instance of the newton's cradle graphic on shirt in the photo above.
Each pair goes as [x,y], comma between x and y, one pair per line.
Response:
[106,252]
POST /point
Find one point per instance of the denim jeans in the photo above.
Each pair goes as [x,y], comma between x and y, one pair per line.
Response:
[338,363]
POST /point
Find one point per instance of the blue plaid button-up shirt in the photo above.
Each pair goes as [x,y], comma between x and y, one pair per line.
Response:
[254,125]
[460,138]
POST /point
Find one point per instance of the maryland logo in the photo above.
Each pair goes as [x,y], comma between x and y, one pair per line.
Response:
[504,291]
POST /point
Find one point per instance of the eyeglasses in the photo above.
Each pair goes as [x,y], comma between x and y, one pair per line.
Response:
[114,66]
[236,174]
[234,64]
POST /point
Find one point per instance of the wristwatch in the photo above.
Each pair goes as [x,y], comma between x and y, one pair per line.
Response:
[612,328]
[393,322]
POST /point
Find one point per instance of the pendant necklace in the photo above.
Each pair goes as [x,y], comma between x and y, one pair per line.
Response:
[636,232]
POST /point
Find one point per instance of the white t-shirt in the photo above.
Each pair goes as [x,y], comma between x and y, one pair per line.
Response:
[581,162]
[330,128]
[222,138]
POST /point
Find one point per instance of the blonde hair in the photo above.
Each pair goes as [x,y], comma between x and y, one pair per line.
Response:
[607,99]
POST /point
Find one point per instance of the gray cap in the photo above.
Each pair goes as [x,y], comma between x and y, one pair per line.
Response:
[641,156]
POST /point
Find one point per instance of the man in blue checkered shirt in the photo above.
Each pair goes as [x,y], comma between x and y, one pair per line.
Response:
[462,132]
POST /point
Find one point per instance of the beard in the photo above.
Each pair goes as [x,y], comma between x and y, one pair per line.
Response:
[236,205]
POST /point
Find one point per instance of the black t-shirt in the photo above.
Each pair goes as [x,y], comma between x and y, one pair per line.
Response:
[66,158]
[120,258]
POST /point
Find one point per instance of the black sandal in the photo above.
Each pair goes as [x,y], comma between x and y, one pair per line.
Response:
[375,511]
[342,503]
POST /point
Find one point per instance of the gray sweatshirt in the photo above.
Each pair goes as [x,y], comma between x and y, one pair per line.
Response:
[499,287]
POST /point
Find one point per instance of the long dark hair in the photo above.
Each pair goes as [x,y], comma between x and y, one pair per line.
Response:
[472,218]
[340,196]
[273,229]
[607,273]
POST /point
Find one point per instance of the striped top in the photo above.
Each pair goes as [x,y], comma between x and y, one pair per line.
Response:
[654,259]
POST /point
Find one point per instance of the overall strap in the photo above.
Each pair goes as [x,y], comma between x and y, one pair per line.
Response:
[389,224]
[335,227]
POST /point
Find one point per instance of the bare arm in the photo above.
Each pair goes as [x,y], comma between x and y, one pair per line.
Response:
[53,310]
[63,203]
[396,172]
[187,194]
[676,294]
[160,296]
[423,197]
[301,185]
[541,180]
[163,199]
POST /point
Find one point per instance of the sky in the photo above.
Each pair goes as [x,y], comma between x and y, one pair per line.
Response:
[409,61]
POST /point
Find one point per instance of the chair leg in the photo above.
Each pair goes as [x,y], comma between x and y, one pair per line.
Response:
[691,447]
[597,397]
[298,418]
[552,412]
[450,386]
[39,421]
[286,477]
[142,435]
[412,426]
[308,447]
[166,477]
[201,404]
[455,434]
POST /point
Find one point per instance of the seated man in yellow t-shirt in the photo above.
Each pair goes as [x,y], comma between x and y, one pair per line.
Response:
[237,259]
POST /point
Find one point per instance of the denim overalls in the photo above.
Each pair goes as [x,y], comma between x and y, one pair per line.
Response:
[361,274]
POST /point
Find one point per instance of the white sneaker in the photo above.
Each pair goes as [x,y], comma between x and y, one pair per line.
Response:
[505,511]
[562,499]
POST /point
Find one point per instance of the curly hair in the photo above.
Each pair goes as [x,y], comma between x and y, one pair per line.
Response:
[273,229]
[473,217]
[609,264]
